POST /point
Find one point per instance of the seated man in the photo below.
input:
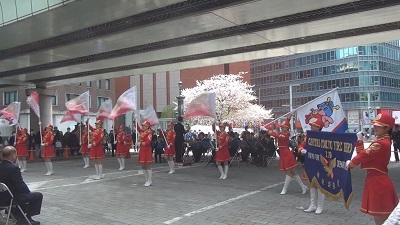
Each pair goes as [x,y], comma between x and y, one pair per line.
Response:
[10,175]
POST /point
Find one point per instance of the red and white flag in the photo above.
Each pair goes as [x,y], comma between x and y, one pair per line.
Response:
[149,114]
[33,102]
[69,116]
[202,105]
[104,110]
[10,114]
[125,103]
[79,104]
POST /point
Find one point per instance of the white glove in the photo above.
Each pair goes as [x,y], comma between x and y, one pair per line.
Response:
[115,142]
[89,146]
[168,146]
[303,151]
[347,164]
[42,144]
[40,123]
[360,136]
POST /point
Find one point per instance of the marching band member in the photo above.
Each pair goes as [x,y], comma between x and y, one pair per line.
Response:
[120,151]
[287,161]
[379,196]
[21,147]
[128,144]
[85,151]
[96,148]
[317,197]
[145,153]
[48,149]
[170,135]
[222,154]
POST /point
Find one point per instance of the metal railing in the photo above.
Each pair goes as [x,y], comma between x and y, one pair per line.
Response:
[15,10]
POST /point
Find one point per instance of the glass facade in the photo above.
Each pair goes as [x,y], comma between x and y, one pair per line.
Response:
[356,71]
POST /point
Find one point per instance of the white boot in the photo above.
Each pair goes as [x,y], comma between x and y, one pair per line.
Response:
[86,162]
[18,163]
[120,163]
[23,169]
[171,167]
[313,206]
[51,168]
[303,187]
[48,169]
[101,176]
[123,163]
[221,171]
[146,176]
[225,172]
[96,177]
[321,198]
[149,176]
[286,184]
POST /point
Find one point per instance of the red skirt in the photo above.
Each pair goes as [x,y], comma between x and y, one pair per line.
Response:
[97,152]
[48,152]
[287,160]
[169,151]
[120,149]
[22,150]
[85,149]
[145,155]
[379,196]
[222,155]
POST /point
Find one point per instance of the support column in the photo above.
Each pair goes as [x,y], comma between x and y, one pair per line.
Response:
[46,108]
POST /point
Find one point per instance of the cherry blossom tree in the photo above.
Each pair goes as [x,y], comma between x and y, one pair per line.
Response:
[234,100]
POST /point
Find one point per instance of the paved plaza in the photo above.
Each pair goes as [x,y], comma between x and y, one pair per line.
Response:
[194,195]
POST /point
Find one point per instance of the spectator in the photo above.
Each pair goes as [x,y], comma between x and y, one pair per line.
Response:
[11,139]
[10,174]
[159,149]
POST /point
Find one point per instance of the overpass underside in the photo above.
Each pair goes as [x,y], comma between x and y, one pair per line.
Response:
[100,39]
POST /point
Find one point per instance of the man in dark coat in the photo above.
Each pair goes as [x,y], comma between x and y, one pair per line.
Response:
[179,132]
[10,175]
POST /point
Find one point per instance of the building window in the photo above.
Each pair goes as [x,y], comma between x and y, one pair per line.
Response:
[88,84]
[98,84]
[100,101]
[54,100]
[9,97]
[69,96]
[108,84]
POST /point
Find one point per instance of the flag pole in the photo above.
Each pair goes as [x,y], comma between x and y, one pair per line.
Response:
[285,115]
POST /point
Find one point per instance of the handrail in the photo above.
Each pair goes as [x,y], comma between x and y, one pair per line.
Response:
[48,7]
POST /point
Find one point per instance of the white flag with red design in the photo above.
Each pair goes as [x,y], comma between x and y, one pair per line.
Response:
[149,114]
[69,116]
[104,110]
[79,104]
[202,105]
[10,114]
[125,103]
[33,102]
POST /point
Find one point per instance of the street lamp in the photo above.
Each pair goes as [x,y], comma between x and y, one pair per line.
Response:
[180,98]
[291,103]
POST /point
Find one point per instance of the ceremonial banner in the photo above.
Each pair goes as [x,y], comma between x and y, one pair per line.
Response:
[125,103]
[149,114]
[325,163]
[33,102]
[104,110]
[10,114]
[328,108]
[79,104]
[202,105]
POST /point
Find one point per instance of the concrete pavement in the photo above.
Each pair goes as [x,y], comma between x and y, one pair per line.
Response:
[194,195]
